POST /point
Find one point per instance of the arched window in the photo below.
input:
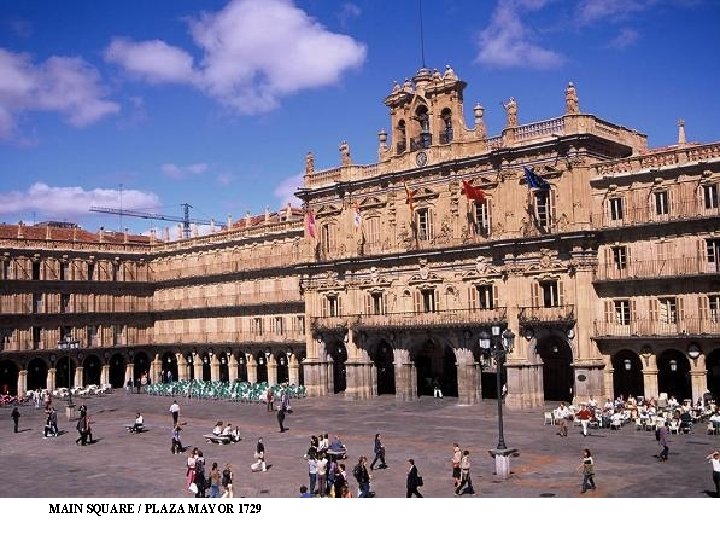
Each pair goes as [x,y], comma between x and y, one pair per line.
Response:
[401,144]
[446,131]
[423,120]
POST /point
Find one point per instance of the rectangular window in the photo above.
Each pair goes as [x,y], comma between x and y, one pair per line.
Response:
[333,306]
[661,203]
[372,230]
[428,301]
[257,326]
[65,303]
[37,303]
[485,297]
[424,224]
[4,269]
[550,294]
[118,334]
[619,257]
[93,338]
[36,337]
[667,310]
[616,208]
[377,306]
[710,196]
[36,270]
[279,326]
[301,324]
[326,238]
[622,312]
[482,217]
[114,270]
[713,254]
[64,270]
[91,271]
[542,209]
[714,305]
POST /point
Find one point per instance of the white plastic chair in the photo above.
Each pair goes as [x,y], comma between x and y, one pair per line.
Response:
[549,419]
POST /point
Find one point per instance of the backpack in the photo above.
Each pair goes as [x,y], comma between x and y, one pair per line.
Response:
[225,478]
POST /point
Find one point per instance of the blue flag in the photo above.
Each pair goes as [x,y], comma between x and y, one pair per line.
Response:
[535,181]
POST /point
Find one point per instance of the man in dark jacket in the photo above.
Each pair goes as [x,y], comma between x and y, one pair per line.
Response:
[15,414]
[413,480]
[362,476]
[281,418]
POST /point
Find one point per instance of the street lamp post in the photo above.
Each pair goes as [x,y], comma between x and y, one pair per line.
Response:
[497,346]
[65,345]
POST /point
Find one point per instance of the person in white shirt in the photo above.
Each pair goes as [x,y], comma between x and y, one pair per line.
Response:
[139,421]
[672,402]
[714,459]
[218,429]
[175,412]
[321,465]
[592,403]
[227,432]
[236,434]
[562,414]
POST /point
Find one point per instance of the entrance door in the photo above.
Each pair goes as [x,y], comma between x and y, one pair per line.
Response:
[558,375]
[674,375]
[384,368]
[627,375]
[339,355]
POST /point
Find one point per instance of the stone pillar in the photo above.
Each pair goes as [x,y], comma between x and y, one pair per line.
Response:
[609,380]
[130,373]
[466,377]
[358,375]
[214,368]
[293,370]
[22,383]
[698,377]
[271,369]
[50,384]
[197,367]
[233,372]
[182,366]
[589,379]
[525,384]
[251,368]
[105,374]
[316,372]
[650,372]
[156,369]
[405,375]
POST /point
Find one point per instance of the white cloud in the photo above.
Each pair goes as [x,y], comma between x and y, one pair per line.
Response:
[69,86]
[224,179]
[181,172]
[348,11]
[591,11]
[72,200]
[285,189]
[508,43]
[625,38]
[254,52]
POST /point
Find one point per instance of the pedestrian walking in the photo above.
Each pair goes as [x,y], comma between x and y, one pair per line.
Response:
[663,435]
[322,465]
[53,419]
[281,419]
[465,485]
[15,414]
[259,465]
[214,481]
[175,412]
[270,399]
[455,463]
[414,481]
[190,472]
[200,480]
[227,482]
[588,469]
[176,441]
[714,460]
[362,476]
[379,450]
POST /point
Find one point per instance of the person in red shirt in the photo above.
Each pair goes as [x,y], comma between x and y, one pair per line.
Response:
[584,415]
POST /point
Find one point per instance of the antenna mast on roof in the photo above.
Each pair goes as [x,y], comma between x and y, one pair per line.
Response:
[121,214]
[422,39]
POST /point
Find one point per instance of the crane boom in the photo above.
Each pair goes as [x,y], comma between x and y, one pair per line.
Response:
[184,219]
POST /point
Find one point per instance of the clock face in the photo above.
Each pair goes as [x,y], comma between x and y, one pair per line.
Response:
[421,159]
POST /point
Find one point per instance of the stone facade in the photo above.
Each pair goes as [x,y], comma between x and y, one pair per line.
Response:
[384,281]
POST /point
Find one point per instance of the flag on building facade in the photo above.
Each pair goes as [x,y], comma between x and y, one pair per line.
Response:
[535,181]
[410,198]
[310,223]
[472,192]
[357,217]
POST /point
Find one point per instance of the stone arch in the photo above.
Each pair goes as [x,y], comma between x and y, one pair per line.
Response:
[262,369]
[37,371]
[169,368]
[674,381]
[141,366]
[8,377]
[337,353]
[224,367]
[65,372]
[558,376]
[628,377]
[92,369]
[712,363]
[381,355]
[283,372]
[189,362]
[435,363]
[206,366]
[117,370]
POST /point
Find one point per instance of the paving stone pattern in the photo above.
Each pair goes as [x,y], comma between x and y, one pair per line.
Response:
[120,464]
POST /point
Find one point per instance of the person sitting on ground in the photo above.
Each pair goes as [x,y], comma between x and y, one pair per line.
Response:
[227,431]
[218,429]
[337,446]
[138,423]
[236,434]
[49,428]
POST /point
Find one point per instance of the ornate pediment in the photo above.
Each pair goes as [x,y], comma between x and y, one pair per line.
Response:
[425,193]
[328,210]
[371,202]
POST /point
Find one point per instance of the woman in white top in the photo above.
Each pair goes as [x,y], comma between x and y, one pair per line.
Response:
[321,465]
[714,459]
[218,429]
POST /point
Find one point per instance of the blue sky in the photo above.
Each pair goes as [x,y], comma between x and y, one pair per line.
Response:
[216,102]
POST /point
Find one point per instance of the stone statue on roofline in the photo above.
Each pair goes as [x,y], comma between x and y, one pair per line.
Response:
[309,163]
[345,158]
[511,110]
[572,103]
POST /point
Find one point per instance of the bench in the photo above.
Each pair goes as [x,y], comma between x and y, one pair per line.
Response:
[337,454]
[218,439]
[132,428]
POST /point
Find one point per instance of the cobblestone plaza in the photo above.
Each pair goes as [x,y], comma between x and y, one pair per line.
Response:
[123,465]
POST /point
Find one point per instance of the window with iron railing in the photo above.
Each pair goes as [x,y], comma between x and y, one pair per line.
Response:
[36,270]
[622,312]
[482,217]
[424,224]
[662,206]
[486,297]
[714,307]
[710,196]
[713,254]
[667,310]
[616,208]
[279,326]
[620,257]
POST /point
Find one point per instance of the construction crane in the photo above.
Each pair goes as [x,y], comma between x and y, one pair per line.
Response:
[184,219]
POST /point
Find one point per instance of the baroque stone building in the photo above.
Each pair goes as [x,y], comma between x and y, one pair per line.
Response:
[608,273]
